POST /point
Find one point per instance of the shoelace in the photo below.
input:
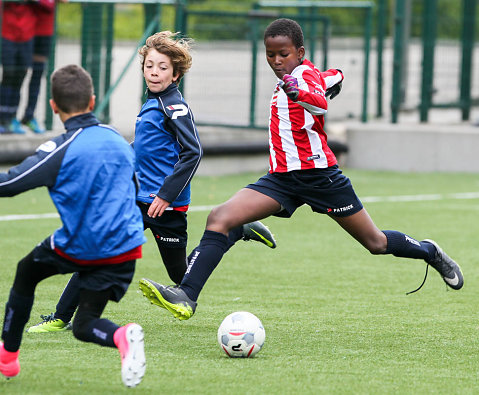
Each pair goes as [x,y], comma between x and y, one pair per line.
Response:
[48,318]
[423,282]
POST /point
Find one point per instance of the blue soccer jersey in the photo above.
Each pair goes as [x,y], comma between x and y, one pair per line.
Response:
[167,147]
[89,171]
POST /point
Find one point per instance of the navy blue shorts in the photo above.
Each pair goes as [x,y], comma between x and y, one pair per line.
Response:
[17,54]
[326,191]
[41,45]
[116,277]
[169,230]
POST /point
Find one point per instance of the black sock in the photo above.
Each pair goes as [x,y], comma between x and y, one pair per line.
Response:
[203,260]
[69,300]
[234,235]
[404,246]
[99,331]
[17,313]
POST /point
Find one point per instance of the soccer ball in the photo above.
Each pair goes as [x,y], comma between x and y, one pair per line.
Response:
[241,335]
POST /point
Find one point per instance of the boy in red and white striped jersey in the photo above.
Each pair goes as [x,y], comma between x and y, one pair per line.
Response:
[303,170]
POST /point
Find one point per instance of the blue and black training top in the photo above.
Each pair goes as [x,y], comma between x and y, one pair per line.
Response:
[167,147]
[89,171]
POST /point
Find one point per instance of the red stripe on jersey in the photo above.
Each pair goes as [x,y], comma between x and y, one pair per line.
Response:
[301,140]
[277,154]
[135,253]
[297,137]
[181,208]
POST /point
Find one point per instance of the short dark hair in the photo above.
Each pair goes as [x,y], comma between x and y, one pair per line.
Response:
[285,27]
[72,88]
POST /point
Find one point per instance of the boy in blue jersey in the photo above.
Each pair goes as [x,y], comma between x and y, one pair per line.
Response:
[168,153]
[90,174]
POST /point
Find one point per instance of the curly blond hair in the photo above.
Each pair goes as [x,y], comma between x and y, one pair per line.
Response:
[172,45]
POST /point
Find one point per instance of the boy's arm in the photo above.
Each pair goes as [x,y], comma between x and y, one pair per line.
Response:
[180,123]
[309,92]
[39,169]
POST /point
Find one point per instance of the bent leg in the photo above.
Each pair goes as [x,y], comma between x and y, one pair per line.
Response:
[69,299]
[87,325]
[175,262]
[20,301]
[245,206]
[362,228]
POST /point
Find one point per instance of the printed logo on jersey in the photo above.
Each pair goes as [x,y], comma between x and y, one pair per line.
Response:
[152,195]
[138,119]
[313,157]
[178,110]
[318,89]
[49,146]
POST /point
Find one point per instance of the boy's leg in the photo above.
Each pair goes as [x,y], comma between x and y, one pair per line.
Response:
[16,58]
[41,50]
[60,320]
[89,327]
[174,260]
[363,229]
[18,308]
[245,206]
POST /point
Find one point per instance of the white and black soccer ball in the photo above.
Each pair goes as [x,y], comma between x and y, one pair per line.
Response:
[241,335]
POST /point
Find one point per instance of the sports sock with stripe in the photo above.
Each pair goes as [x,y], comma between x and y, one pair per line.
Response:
[202,261]
[404,246]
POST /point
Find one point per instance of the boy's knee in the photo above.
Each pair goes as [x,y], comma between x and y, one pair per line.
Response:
[80,327]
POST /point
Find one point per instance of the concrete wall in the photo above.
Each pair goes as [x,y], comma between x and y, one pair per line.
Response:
[413,147]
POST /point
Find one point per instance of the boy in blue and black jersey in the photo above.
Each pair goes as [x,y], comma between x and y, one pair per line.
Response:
[90,174]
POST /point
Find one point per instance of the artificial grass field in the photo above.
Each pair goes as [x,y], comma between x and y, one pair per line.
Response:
[337,319]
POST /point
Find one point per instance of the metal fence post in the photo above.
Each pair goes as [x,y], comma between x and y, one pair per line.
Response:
[50,69]
[367,45]
[429,42]
[397,60]
[468,33]
[381,32]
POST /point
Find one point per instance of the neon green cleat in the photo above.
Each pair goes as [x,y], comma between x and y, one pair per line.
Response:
[171,298]
[50,324]
[257,231]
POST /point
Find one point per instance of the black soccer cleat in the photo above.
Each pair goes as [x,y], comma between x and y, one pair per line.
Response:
[447,268]
[171,298]
[258,232]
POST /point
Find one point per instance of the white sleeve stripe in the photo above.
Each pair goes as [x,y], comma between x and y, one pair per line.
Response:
[332,80]
[20,176]
[312,109]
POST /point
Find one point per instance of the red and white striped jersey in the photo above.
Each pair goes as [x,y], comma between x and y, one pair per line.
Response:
[297,140]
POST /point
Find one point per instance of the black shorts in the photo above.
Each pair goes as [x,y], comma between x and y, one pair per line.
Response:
[326,191]
[169,230]
[117,276]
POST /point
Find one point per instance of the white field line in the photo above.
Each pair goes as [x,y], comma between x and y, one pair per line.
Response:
[367,199]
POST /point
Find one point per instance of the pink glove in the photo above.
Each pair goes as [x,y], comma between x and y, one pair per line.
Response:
[290,87]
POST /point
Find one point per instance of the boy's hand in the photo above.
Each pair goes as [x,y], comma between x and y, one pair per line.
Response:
[157,207]
[334,90]
[290,87]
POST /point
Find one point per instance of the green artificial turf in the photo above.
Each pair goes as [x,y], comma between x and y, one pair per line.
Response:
[337,319]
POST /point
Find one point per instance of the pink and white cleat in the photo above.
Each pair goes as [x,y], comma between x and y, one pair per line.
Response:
[9,364]
[129,340]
